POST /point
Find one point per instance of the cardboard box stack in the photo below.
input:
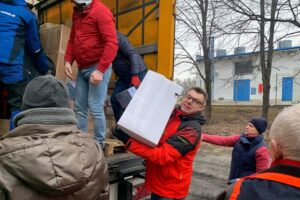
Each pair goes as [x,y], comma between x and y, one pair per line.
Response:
[54,39]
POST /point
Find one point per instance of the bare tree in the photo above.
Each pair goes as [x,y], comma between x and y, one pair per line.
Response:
[271,13]
[186,83]
[267,69]
[197,21]
[259,20]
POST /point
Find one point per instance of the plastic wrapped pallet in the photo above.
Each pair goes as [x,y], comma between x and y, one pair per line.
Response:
[148,112]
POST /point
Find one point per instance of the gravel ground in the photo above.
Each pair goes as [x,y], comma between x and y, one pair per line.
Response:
[211,168]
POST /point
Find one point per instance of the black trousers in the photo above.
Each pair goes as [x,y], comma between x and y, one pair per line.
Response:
[15,93]
[157,197]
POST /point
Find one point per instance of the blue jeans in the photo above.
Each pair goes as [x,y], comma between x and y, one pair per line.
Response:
[92,97]
[120,86]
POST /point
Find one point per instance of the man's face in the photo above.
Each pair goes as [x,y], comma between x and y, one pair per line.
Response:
[192,102]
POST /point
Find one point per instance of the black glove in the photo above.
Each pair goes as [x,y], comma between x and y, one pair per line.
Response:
[51,65]
[41,62]
[120,135]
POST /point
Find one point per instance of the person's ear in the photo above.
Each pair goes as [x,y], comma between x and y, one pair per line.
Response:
[276,150]
[201,108]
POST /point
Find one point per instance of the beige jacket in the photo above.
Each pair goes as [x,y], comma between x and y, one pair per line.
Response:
[46,162]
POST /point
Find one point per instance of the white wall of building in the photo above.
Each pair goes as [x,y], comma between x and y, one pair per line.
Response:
[285,64]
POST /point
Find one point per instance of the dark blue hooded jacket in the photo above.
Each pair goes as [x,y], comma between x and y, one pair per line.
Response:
[243,156]
[127,61]
[18,29]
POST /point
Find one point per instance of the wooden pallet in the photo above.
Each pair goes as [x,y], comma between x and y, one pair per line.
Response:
[112,146]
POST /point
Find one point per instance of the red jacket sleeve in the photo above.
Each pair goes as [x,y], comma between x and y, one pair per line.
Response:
[161,155]
[107,29]
[262,157]
[174,147]
[228,141]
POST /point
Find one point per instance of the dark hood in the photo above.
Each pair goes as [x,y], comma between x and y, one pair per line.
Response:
[196,116]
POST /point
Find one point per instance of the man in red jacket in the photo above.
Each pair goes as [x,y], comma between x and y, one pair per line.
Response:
[169,164]
[93,45]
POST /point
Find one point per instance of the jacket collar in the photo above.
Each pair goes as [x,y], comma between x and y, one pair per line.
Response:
[250,141]
[185,117]
[40,129]
[87,9]
[286,162]
[50,116]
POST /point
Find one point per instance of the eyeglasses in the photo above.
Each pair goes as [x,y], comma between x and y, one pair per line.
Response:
[193,100]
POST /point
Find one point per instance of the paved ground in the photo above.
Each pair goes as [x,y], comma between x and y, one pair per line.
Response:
[211,168]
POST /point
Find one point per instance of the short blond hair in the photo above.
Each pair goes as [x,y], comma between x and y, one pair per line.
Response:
[286,131]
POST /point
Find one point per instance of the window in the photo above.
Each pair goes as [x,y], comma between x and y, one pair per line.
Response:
[253,91]
[243,67]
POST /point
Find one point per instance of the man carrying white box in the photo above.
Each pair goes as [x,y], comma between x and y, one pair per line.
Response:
[169,164]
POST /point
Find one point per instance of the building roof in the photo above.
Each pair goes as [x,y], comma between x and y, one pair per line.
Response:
[245,55]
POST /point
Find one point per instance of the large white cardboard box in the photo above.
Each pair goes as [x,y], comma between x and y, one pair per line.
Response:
[148,112]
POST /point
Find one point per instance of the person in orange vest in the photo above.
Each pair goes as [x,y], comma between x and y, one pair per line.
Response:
[282,179]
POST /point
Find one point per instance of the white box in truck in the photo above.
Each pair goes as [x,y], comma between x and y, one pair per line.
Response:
[148,112]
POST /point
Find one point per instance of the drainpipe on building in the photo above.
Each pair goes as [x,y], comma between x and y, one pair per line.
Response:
[276,88]
[211,58]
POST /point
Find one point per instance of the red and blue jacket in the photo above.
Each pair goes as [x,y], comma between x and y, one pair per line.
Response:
[249,155]
[18,33]
[243,162]
[169,165]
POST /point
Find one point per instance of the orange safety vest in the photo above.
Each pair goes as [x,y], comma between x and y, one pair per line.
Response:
[271,176]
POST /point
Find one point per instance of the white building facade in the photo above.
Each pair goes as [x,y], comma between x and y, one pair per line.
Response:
[237,78]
